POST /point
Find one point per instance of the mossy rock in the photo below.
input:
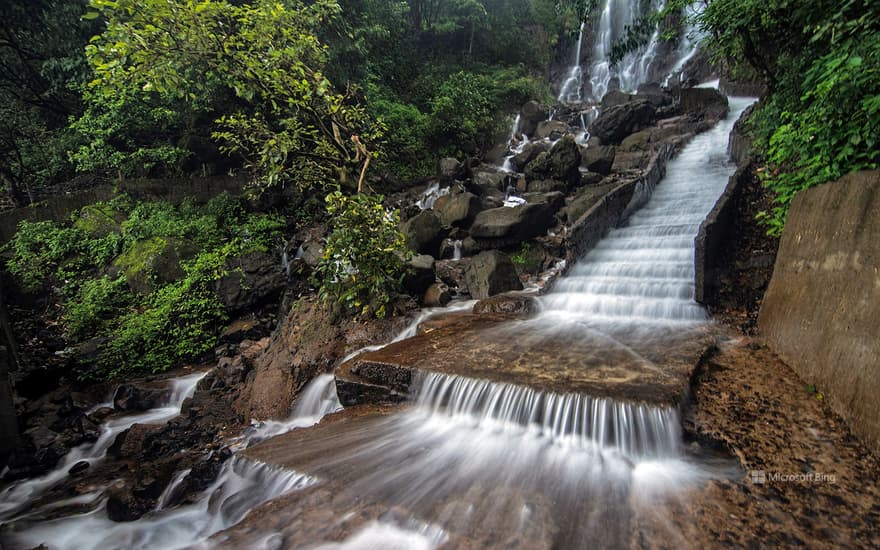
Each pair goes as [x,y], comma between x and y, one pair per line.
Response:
[151,262]
[99,220]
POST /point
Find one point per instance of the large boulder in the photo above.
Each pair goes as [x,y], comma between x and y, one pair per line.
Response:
[419,275]
[619,121]
[489,273]
[457,210]
[151,262]
[529,153]
[484,180]
[615,98]
[598,159]
[449,169]
[531,114]
[704,103]
[507,225]
[551,129]
[560,163]
[250,279]
[424,233]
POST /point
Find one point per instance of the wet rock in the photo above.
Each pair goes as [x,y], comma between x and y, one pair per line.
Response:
[615,98]
[547,186]
[705,103]
[590,178]
[487,180]
[585,199]
[134,398]
[420,274]
[511,225]
[531,114]
[560,163]
[123,506]
[508,304]
[130,443]
[449,169]
[458,209]
[598,159]
[250,280]
[78,468]
[551,129]
[424,233]
[529,153]
[619,121]
[490,273]
[639,141]
[311,340]
[452,273]
[437,295]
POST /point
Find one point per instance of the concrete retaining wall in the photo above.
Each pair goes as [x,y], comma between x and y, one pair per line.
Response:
[821,313]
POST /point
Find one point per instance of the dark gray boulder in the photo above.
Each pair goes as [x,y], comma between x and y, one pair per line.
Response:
[250,279]
[598,159]
[619,121]
[419,275]
[505,226]
[457,210]
[424,233]
[531,114]
[491,272]
[560,163]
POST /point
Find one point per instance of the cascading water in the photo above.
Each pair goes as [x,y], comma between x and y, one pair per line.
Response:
[240,486]
[636,67]
[570,92]
[19,494]
[643,273]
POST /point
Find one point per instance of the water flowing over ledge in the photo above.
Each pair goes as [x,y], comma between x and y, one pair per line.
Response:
[575,421]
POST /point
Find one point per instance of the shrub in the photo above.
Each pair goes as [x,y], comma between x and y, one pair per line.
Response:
[365,255]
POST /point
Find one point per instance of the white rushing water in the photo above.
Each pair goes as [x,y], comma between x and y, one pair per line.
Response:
[571,90]
[635,68]
[643,272]
[20,493]
[240,486]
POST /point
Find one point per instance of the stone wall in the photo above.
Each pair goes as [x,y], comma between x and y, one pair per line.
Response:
[821,313]
[718,225]
[616,206]
[174,190]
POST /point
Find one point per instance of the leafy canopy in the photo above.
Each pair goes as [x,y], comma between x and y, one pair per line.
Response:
[287,120]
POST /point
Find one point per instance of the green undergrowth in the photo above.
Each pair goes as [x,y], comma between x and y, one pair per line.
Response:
[137,278]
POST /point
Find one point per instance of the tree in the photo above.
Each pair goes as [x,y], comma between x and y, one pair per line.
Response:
[287,120]
[41,65]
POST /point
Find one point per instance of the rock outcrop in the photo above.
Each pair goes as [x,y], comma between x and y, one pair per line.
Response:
[491,272]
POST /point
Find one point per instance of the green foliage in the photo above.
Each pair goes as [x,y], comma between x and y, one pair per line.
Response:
[289,123]
[835,131]
[97,269]
[39,249]
[365,255]
[98,302]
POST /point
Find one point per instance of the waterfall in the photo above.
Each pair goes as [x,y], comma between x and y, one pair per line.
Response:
[17,495]
[570,92]
[635,68]
[240,486]
[643,272]
[580,422]
[456,251]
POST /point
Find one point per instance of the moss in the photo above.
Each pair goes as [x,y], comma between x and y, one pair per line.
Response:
[149,261]
[99,220]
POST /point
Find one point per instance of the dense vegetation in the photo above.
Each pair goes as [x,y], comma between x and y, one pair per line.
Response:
[140,275]
[820,60]
[336,101]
